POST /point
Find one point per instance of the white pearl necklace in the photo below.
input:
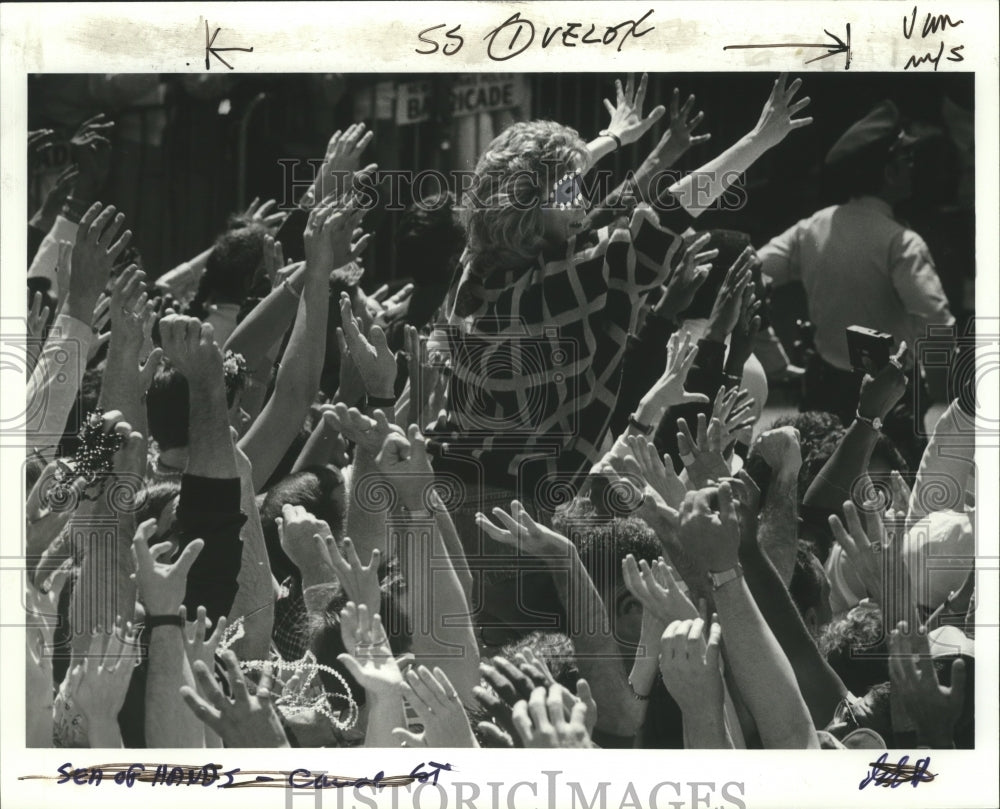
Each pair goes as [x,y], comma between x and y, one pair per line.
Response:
[300,700]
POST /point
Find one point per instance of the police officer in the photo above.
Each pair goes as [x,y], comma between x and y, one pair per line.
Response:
[861,266]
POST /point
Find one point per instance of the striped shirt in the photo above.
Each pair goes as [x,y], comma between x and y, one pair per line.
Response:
[537,368]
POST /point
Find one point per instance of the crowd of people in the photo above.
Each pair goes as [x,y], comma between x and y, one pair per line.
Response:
[531,499]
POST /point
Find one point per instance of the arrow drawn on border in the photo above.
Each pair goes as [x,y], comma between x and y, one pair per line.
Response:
[837,46]
[211,51]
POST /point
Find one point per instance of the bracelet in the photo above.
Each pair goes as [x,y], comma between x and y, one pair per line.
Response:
[875,423]
[379,401]
[605,133]
[153,621]
[636,696]
[286,285]
[633,421]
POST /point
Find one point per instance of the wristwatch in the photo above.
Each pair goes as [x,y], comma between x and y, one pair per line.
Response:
[875,423]
[726,576]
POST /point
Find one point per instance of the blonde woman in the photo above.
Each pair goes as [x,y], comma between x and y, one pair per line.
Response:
[540,315]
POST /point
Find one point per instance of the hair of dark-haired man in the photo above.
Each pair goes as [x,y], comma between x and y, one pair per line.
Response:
[428,238]
[231,267]
[153,498]
[327,643]
[855,648]
[555,649]
[815,427]
[428,242]
[320,491]
[603,542]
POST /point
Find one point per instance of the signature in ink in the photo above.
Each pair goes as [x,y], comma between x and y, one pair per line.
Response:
[214,775]
[884,773]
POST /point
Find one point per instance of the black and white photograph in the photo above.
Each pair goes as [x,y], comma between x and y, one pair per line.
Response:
[608,409]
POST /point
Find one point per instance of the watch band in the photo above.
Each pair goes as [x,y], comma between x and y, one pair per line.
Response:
[875,423]
[604,133]
[645,429]
[153,621]
[379,401]
[720,579]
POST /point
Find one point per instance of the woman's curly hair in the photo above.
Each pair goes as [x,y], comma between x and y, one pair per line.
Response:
[503,219]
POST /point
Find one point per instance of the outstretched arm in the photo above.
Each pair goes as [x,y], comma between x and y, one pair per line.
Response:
[328,238]
[765,677]
[849,462]
[698,191]
[598,655]
[435,597]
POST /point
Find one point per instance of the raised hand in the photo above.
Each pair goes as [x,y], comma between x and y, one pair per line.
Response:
[744,332]
[49,506]
[868,555]
[245,720]
[710,532]
[132,314]
[776,119]
[38,319]
[668,390]
[371,356]
[658,473]
[45,216]
[702,457]
[690,666]
[733,410]
[406,465]
[98,684]
[901,492]
[332,237]
[340,163]
[91,151]
[97,247]
[360,582]
[781,448]
[416,348]
[368,432]
[934,708]
[626,113]
[39,140]
[306,540]
[369,658]
[687,279]
[681,128]
[198,643]
[728,304]
[161,586]
[880,393]
[657,590]
[747,497]
[261,212]
[436,702]
[99,320]
[542,720]
[522,532]
[394,306]
[190,346]
[274,261]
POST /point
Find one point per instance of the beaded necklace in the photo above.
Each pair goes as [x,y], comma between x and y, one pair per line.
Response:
[310,695]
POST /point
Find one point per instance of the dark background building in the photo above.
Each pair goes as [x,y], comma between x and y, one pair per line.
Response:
[191,149]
